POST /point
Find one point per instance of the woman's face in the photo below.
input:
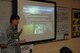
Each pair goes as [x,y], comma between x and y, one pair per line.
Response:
[15,22]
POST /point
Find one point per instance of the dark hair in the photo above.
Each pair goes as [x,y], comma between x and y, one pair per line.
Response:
[65,50]
[13,17]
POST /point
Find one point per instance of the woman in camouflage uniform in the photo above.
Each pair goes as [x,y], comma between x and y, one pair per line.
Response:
[13,45]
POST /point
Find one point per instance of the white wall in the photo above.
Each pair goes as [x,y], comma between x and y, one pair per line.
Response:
[5,12]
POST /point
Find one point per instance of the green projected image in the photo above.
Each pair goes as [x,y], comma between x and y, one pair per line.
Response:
[36,29]
[33,29]
[28,29]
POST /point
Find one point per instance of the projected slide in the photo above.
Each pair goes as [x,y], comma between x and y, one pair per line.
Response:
[37,20]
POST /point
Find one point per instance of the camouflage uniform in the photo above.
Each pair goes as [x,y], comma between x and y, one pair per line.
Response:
[12,38]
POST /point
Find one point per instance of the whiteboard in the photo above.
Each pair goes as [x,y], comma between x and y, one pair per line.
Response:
[62,23]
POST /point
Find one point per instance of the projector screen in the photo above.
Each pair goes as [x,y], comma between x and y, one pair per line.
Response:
[37,19]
